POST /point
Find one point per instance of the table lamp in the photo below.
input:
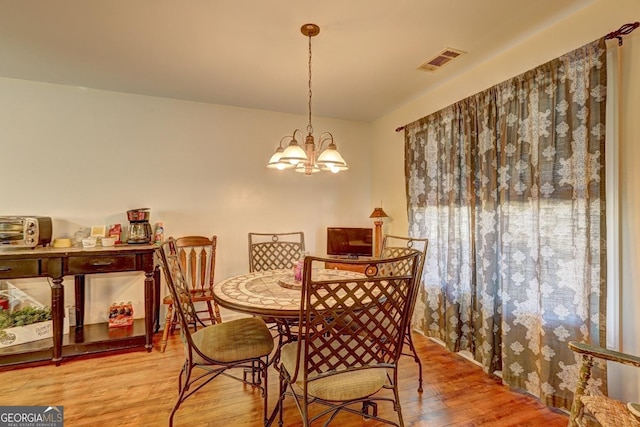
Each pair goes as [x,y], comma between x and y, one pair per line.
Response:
[378,214]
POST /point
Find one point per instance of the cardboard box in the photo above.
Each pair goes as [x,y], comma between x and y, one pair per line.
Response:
[120,315]
[34,332]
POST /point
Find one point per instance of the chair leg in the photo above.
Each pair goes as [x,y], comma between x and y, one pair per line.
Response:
[396,403]
[217,312]
[167,328]
[174,322]
[265,395]
[416,359]
[256,373]
[365,409]
[182,389]
[281,401]
[212,317]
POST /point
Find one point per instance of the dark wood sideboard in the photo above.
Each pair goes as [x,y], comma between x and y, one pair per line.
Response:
[55,264]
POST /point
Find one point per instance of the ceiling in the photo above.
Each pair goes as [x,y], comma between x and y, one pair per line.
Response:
[250,53]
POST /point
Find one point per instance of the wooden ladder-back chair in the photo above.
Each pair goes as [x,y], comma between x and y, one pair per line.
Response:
[606,411]
[350,338]
[274,251]
[213,350]
[395,246]
[197,256]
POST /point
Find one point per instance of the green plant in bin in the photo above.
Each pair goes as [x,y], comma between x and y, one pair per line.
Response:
[23,317]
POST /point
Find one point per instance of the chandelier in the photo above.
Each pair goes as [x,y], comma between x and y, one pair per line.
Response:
[308,160]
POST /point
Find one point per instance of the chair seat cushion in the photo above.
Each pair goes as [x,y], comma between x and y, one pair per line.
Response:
[232,341]
[342,386]
[610,412]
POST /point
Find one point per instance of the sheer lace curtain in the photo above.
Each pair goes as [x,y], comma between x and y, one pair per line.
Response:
[509,187]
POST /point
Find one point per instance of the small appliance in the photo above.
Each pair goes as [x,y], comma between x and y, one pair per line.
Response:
[139,227]
[24,231]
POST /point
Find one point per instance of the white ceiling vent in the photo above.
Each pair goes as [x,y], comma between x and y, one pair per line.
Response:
[441,59]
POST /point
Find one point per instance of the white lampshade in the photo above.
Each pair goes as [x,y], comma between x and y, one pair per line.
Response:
[294,154]
[331,159]
[275,161]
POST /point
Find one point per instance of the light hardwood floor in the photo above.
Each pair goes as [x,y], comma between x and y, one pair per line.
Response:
[139,389]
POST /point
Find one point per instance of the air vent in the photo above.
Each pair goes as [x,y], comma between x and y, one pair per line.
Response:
[441,59]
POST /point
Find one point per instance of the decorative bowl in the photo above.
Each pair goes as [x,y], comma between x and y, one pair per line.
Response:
[89,242]
[108,241]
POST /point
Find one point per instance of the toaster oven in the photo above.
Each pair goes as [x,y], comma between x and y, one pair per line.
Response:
[24,231]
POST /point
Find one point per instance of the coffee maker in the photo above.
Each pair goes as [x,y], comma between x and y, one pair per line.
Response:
[139,227]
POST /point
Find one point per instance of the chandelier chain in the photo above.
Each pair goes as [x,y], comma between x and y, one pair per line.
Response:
[309,127]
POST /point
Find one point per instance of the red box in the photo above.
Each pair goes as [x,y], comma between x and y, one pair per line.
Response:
[120,315]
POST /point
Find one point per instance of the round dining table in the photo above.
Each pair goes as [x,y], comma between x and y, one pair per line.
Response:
[270,293]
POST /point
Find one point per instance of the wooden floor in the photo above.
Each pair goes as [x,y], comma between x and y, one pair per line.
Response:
[139,389]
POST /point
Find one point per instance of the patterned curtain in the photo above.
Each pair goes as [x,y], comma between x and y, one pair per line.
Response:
[508,185]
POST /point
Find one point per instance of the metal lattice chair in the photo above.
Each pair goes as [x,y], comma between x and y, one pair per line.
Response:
[586,406]
[349,341]
[215,349]
[197,255]
[395,246]
[273,251]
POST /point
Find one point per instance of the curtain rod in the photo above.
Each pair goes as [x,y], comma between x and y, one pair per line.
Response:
[622,31]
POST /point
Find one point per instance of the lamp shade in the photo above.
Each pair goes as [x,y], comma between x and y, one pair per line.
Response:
[330,158]
[276,163]
[294,154]
[378,213]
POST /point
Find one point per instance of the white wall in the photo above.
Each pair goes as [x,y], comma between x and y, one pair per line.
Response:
[599,18]
[84,157]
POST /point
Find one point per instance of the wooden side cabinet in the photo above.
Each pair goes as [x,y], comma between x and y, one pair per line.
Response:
[337,265]
[55,264]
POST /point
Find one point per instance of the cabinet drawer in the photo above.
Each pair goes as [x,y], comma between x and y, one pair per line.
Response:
[12,269]
[101,264]
[347,267]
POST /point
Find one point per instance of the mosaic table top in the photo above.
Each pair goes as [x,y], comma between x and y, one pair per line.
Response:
[268,293]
